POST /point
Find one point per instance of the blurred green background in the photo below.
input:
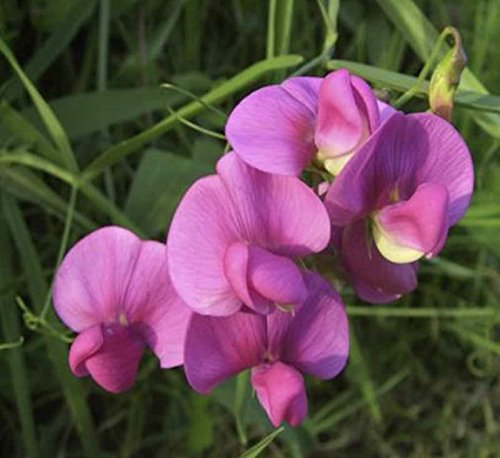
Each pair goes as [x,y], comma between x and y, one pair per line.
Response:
[423,378]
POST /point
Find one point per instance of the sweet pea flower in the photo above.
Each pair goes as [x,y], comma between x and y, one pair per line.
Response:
[234,235]
[282,128]
[113,289]
[278,348]
[396,199]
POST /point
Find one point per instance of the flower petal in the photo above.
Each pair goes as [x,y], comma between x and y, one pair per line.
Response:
[152,301]
[92,280]
[316,339]
[86,343]
[448,163]
[220,347]
[272,129]
[374,279]
[347,113]
[406,151]
[281,392]
[386,164]
[110,354]
[276,277]
[406,231]
[278,213]
[236,268]
[201,231]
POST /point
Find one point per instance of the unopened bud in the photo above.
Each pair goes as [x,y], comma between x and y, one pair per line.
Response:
[446,76]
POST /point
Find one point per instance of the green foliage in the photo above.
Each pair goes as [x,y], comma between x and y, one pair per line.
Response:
[88,137]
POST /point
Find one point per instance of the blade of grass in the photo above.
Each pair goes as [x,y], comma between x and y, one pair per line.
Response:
[27,186]
[404,312]
[21,157]
[15,357]
[257,449]
[66,156]
[358,373]
[57,351]
[84,114]
[118,152]
[24,132]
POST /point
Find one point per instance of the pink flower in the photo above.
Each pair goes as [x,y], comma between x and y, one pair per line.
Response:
[278,348]
[281,128]
[234,236]
[113,289]
[396,199]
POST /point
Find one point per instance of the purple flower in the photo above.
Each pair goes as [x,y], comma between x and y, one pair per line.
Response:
[278,347]
[113,289]
[396,199]
[234,235]
[281,128]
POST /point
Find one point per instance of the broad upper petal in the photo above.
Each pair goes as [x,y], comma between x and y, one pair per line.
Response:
[272,129]
[447,163]
[281,392]
[278,213]
[220,347]
[201,231]
[91,282]
[152,301]
[347,113]
[405,152]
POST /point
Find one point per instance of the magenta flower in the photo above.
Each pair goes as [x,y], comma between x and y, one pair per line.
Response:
[278,347]
[113,289]
[396,199]
[281,128]
[233,237]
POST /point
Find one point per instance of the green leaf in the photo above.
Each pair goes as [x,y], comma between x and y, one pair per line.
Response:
[50,121]
[257,449]
[21,157]
[421,36]
[159,183]
[27,186]
[15,127]
[117,152]
[83,114]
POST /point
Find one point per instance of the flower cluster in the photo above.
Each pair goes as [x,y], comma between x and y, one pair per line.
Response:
[230,290]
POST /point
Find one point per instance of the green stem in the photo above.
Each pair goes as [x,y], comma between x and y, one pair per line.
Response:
[11,345]
[62,246]
[271,29]
[395,312]
[429,63]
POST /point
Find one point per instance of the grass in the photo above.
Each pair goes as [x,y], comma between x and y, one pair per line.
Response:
[87,138]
